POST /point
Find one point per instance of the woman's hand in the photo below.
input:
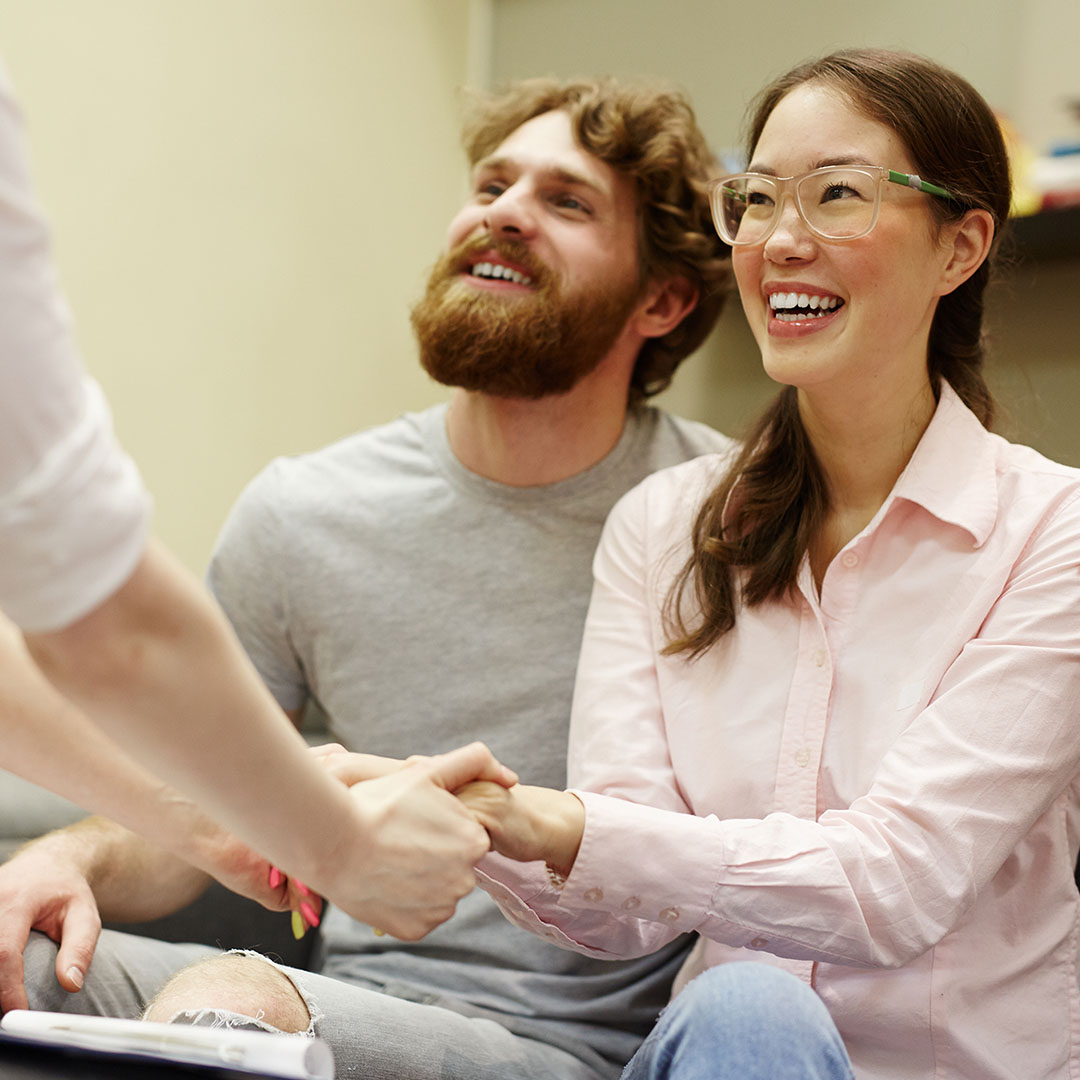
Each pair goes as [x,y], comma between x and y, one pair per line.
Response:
[418,829]
[528,823]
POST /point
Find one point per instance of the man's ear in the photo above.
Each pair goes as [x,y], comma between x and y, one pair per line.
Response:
[663,306]
[967,244]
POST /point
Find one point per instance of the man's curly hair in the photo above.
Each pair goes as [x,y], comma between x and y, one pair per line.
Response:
[647,131]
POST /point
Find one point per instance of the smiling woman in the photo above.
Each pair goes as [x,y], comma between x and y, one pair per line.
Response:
[825,707]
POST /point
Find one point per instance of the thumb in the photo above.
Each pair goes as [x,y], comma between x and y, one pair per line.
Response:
[352,768]
[79,936]
[472,762]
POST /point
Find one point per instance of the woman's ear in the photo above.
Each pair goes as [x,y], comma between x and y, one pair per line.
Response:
[663,306]
[967,243]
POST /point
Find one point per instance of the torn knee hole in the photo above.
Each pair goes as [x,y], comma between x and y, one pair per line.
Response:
[229,990]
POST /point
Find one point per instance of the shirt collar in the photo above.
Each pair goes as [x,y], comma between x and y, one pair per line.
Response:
[953,472]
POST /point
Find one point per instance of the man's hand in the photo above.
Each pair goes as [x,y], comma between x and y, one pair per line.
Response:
[40,892]
[416,844]
[528,823]
[66,882]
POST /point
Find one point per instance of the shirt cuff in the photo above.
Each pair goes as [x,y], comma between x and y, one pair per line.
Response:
[650,864]
[528,899]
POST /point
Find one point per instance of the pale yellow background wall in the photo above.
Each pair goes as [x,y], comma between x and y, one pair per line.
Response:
[245,197]
[1020,53]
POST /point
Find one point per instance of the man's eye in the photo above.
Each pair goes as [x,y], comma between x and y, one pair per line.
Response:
[569,202]
[491,190]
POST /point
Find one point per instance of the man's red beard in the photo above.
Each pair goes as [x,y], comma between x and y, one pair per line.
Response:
[527,345]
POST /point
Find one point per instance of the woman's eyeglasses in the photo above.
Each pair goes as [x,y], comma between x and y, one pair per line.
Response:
[838,202]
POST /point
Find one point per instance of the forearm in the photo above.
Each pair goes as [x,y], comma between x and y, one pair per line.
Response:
[50,742]
[131,878]
[159,654]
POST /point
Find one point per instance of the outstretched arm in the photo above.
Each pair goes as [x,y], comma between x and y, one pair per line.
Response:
[134,642]
[159,668]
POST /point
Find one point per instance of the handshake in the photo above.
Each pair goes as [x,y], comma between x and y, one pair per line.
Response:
[426,822]
[417,829]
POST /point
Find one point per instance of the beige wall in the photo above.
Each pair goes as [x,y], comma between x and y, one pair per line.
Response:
[245,196]
[1019,53]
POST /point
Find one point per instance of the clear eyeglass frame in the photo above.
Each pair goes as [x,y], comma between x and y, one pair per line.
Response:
[726,191]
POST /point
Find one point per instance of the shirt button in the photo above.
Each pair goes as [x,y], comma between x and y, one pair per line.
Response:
[819,657]
[593,896]
[759,942]
[802,759]
[631,903]
[669,915]
[849,559]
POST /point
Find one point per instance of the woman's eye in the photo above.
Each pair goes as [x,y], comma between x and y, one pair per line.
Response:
[758,198]
[838,191]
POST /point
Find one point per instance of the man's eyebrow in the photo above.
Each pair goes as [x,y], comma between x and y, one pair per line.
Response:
[821,163]
[559,173]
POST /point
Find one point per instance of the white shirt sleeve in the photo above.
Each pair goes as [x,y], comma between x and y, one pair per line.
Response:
[73,511]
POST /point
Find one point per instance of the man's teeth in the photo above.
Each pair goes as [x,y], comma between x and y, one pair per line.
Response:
[497,270]
[793,306]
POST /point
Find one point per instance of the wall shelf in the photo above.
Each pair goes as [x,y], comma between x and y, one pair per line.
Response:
[1051,234]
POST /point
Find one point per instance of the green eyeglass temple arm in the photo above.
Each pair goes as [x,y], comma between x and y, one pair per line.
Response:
[913,181]
[907,179]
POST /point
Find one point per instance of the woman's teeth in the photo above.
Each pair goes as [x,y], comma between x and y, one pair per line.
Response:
[792,307]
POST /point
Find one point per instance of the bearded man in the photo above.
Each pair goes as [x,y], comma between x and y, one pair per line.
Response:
[426,583]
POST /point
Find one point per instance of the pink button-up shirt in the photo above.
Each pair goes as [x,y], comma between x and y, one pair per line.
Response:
[876,789]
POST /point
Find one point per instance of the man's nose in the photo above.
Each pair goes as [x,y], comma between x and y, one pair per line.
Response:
[513,213]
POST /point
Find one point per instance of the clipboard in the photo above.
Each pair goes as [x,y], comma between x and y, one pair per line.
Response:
[67,1045]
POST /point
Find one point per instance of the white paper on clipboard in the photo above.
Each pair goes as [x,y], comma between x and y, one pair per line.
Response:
[291,1057]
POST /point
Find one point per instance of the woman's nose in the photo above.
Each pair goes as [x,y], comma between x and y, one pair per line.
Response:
[790,237]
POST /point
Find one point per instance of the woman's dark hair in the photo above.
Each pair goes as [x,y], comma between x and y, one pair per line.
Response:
[954,140]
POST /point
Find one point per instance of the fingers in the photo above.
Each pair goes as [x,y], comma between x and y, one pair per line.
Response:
[12,991]
[412,925]
[480,792]
[472,762]
[486,801]
[306,906]
[355,768]
[79,937]
[307,903]
[327,750]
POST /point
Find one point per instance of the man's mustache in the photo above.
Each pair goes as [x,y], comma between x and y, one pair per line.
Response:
[461,257]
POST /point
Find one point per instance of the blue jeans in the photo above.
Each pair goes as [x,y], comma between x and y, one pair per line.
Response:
[745,1021]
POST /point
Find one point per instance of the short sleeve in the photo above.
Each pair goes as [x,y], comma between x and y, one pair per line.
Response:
[73,511]
[248,576]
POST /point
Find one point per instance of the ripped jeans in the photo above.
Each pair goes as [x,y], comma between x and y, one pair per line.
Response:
[740,1021]
[375,1032]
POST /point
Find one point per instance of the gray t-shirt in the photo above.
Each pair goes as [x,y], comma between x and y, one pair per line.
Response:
[422,606]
